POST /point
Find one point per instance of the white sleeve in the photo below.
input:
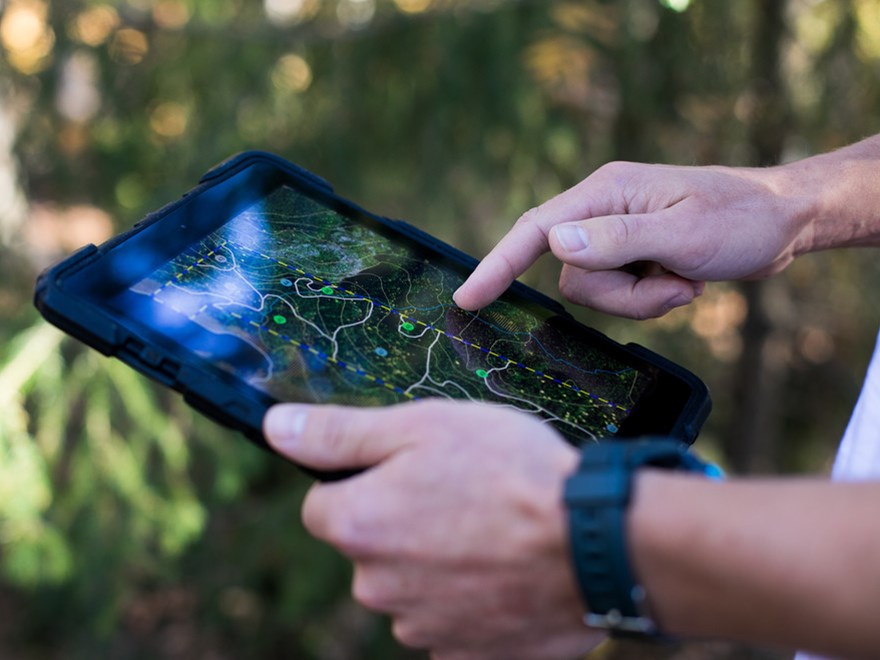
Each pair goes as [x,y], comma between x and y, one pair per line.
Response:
[859,454]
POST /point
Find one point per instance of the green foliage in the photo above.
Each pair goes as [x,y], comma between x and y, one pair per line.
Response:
[34,551]
[75,424]
[131,526]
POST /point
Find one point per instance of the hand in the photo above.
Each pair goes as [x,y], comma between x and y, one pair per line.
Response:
[638,240]
[456,528]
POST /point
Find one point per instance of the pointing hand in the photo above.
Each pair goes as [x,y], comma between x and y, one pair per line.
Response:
[638,240]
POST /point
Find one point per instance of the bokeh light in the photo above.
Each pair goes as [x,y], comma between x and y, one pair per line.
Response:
[26,36]
[93,26]
[292,74]
[129,46]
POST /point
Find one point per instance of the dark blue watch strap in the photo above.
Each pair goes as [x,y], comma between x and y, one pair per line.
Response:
[597,497]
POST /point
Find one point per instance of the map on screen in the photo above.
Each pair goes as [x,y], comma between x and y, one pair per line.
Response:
[307,304]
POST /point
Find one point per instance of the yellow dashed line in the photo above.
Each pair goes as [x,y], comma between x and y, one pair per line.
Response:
[186,271]
[328,358]
[386,308]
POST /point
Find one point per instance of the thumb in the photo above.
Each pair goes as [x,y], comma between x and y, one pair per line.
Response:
[328,437]
[609,242]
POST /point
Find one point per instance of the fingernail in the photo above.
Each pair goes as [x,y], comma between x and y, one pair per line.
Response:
[284,425]
[571,237]
[677,300]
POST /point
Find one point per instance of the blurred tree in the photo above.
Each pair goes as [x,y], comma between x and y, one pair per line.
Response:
[130,527]
[750,443]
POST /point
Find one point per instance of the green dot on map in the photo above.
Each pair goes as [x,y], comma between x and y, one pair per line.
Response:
[409,327]
[482,373]
[327,290]
[280,320]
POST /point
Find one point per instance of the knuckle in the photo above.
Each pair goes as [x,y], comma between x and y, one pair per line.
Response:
[366,592]
[432,416]
[510,271]
[338,525]
[639,313]
[623,230]
[616,170]
[642,304]
[329,429]
[529,216]
[311,518]
[409,634]
[696,256]
[348,533]
[581,287]
[569,287]
[341,432]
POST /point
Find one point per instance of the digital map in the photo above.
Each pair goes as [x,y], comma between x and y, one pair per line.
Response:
[333,311]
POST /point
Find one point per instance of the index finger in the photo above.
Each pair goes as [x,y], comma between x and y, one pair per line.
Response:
[527,240]
[509,259]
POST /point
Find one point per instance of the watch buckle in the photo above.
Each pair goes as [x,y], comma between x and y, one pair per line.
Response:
[613,620]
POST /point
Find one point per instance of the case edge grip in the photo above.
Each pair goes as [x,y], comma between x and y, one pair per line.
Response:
[699,405]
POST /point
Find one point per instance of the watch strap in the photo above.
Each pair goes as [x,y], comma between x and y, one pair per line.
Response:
[597,497]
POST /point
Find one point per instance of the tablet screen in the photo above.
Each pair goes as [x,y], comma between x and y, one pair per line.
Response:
[308,304]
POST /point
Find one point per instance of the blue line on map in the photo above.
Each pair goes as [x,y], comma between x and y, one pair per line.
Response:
[451,336]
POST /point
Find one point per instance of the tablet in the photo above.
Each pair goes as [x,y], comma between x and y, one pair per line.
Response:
[261,285]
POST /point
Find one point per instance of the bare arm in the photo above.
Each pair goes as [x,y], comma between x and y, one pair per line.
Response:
[842,196]
[786,563]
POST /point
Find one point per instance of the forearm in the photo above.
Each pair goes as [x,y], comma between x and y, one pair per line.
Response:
[779,563]
[835,197]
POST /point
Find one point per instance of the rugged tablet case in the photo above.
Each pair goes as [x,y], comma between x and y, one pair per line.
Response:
[217,395]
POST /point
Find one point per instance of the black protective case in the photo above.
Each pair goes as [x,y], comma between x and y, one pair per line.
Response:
[219,395]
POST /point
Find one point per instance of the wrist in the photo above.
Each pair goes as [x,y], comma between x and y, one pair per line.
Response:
[658,536]
[832,199]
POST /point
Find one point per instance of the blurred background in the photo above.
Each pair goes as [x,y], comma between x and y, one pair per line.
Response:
[131,527]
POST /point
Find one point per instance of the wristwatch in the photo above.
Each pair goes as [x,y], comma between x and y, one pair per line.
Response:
[596,497]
